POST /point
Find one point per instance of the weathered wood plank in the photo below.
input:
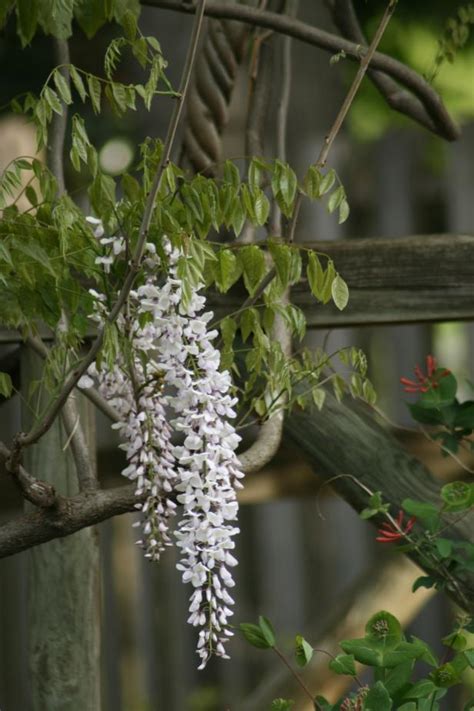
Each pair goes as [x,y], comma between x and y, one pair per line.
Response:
[416,279]
[63,584]
[424,278]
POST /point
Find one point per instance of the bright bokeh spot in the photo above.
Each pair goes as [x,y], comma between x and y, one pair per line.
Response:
[116,155]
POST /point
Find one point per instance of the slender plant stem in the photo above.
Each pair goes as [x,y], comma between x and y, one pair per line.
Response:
[346,105]
[27,439]
[364,65]
[39,346]
[294,673]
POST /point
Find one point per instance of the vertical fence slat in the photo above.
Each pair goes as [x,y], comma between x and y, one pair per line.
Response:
[63,588]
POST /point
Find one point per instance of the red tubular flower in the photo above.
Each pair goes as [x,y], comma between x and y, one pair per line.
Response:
[388,533]
[423,382]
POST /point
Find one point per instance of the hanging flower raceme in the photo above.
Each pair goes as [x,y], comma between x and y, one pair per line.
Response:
[173,365]
[208,471]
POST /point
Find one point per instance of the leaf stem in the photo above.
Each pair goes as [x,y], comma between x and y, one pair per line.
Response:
[295,674]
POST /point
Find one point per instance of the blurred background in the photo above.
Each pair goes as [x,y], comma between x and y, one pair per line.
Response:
[305,556]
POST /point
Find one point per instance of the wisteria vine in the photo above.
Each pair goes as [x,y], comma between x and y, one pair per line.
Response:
[167,386]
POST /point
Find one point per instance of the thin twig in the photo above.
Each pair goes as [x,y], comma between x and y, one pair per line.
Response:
[295,675]
[366,58]
[283,106]
[364,65]
[26,439]
[328,142]
[91,394]
[58,126]
[426,558]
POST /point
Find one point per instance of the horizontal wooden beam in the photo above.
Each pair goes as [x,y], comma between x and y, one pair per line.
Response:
[425,278]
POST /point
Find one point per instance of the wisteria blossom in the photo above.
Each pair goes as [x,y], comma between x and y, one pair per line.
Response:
[208,471]
[173,367]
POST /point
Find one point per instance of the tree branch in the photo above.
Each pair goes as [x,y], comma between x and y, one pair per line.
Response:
[345,19]
[67,516]
[58,126]
[35,491]
[26,439]
[443,124]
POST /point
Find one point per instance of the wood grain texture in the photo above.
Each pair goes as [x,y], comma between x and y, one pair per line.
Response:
[426,278]
[63,584]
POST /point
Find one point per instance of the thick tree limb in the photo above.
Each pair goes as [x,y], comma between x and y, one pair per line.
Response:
[28,531]
[210,93]
[66,517]
[350,450]
[443,124]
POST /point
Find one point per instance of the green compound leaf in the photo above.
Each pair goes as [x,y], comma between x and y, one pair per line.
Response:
[458,495]
[6,385]
[343,664]
[226,270]
[267,630]
[303,651]
[254,635]
[327,182]
[252,260]
[378,699]
[344,211]
[312,183]
[340,292]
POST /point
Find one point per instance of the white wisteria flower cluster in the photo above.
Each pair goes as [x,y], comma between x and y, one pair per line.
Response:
[169,386]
